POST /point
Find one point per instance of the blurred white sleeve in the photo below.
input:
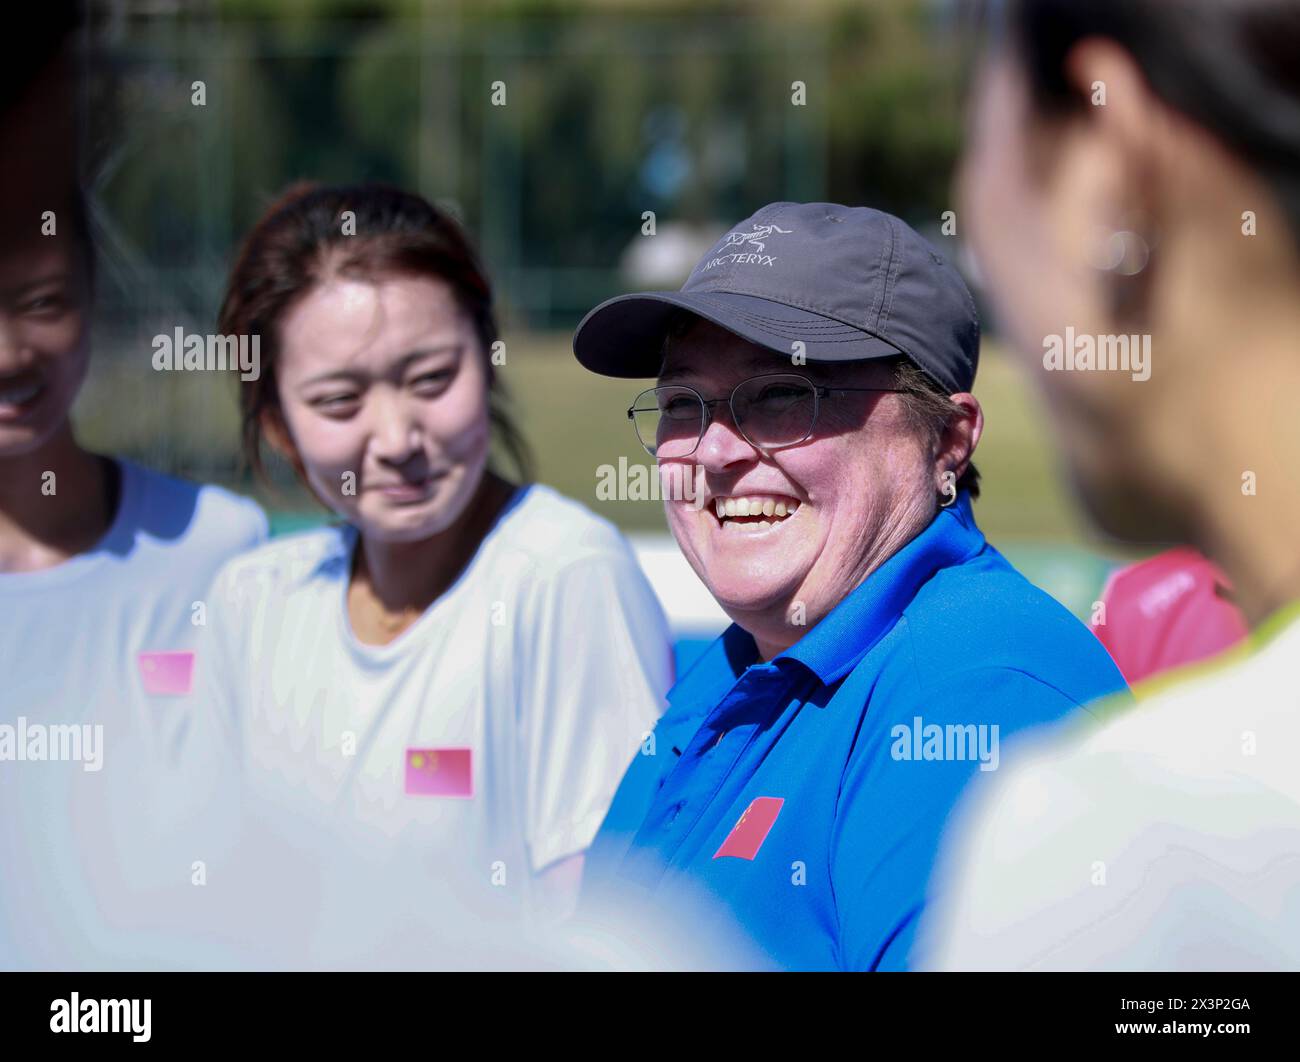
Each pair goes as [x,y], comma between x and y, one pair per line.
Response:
[598,661]
[205,780]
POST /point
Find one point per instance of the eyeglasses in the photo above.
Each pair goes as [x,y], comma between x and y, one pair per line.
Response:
[770,411]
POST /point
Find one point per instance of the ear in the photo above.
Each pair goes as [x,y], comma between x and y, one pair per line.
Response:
[1118,97]
[1135,141]
[959,439]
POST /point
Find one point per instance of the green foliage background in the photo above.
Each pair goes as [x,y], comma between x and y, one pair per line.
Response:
[552,185]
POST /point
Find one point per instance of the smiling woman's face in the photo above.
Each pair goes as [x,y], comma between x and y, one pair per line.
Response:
[44,347]
[384,383]
[853,493]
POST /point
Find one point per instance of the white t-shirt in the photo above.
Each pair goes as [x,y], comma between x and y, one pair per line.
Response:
[488,739]
[1170,840]
[95,655]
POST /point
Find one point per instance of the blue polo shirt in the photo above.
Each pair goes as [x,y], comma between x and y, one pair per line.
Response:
[805,797]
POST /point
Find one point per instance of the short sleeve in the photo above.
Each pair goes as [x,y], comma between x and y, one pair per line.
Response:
[206,770]
[219,665]
[258,527]
[894,806]
[598,663]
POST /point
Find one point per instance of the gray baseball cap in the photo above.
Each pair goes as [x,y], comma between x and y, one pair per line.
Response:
[850,283]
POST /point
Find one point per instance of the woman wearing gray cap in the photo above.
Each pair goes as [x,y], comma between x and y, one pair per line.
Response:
[814,378]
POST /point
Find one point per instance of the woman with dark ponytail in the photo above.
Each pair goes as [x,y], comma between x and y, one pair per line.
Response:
[459,664]
[1132,183]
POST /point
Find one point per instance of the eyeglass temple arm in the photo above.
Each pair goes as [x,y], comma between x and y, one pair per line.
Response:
[882,390]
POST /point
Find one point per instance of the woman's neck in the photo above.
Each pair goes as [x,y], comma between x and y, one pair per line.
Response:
[55,502]
[1243,483]
[394,583]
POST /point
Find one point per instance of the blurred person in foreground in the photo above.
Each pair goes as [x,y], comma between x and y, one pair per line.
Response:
[1171,839]
[814,424]
[102,561]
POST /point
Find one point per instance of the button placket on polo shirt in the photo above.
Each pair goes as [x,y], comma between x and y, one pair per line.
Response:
[703,770]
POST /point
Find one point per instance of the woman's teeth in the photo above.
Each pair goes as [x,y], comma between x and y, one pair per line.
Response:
[764,510]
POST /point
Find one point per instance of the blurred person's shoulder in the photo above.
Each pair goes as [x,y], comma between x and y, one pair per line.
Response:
[541,533]
[1165,838]
[1230,717]
[290,563]
[176,512]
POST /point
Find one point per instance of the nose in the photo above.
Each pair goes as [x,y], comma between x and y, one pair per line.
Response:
[395,435]
[722,444]
[12,347]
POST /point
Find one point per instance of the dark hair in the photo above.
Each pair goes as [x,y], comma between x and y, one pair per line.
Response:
[83,238]
[300,239]
[39,105]
[49,30]
[1233,68]
[931,411]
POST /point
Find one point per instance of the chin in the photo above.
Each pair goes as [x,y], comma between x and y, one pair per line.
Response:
[15,444]
[390,524]
[1129,511]
[1125,496]
[740,598]
[19,440]
[381,519]
[745,586]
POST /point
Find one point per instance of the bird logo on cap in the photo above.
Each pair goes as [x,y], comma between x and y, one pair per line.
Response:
[756,236]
